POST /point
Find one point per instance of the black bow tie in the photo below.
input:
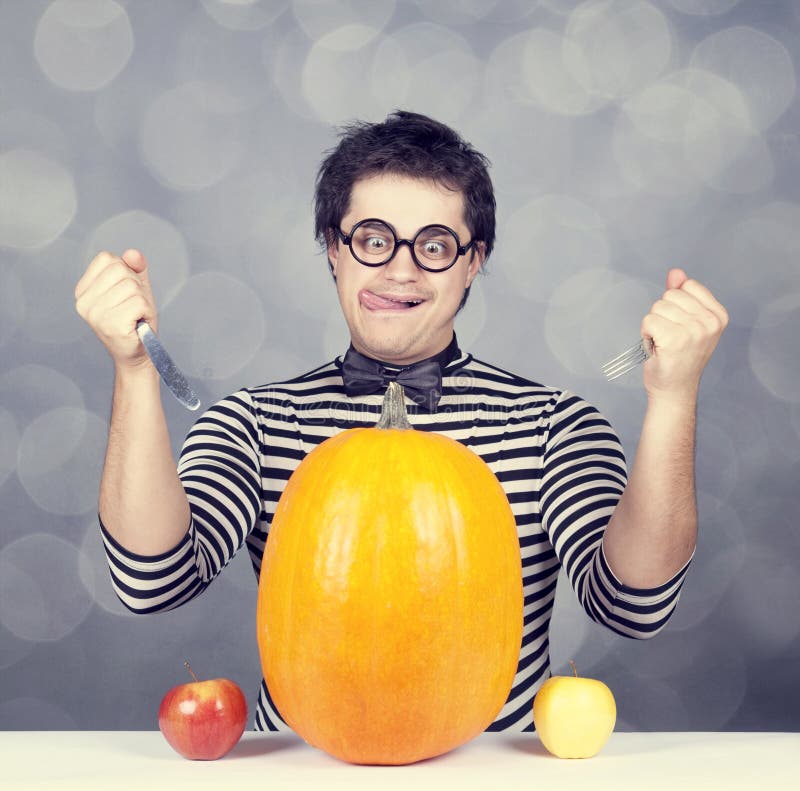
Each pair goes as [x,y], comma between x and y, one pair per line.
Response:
[422,381]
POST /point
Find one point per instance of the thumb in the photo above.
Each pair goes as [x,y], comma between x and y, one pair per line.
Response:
[135,261]
[676,278]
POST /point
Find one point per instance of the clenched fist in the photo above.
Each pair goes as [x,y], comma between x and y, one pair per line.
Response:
[685,325]
[113,294]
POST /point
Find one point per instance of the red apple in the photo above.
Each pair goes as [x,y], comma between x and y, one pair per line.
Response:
[203,719]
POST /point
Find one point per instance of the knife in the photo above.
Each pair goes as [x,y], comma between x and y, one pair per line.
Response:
[171,375]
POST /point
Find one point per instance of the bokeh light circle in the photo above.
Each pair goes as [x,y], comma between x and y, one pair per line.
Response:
[21,127]
[318,18]
[13,649]
[38,197]
[214,325]
[542,142]
[721,552]
[41,596]
[12,303]
[335,76]
[752,259]
[618,46]
[50,315]
[245,14]
[302,272]
[205,54]
[31,389]
[82,45]
[551,81]
[704,7]
[158,239]
[192,136]
[779,582]
[751,60]
[773,349]
[9,441]
[449,13]
[718,453]
[427,69]
[61,459]
[548,229]
[690,128]
[284,64]
[592,316]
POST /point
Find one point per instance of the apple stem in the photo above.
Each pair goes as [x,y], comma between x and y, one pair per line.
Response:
[574,669]
[189,668]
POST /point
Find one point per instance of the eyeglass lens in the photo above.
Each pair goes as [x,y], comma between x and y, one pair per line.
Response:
[435,246]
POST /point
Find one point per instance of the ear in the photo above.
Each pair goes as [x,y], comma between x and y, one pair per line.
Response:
[475,262]
[333,251]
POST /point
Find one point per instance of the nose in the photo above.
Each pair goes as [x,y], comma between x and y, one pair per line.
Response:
[402,267]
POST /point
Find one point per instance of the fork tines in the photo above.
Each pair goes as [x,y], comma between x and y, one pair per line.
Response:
[628,360]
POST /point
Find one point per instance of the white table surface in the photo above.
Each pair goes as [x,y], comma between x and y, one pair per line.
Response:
[143,760]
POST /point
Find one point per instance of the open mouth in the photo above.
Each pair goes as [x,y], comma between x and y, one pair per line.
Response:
[373,301]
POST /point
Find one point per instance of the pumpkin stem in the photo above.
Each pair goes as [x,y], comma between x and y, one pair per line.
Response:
[393,414]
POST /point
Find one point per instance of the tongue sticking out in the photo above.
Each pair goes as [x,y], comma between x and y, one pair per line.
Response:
[374,302]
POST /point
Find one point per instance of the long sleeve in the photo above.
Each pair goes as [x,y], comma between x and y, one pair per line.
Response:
[220,469]
[583,478]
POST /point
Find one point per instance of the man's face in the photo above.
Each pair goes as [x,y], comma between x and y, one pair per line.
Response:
[375,299]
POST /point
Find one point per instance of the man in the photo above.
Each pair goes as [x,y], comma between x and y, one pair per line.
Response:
[405,209]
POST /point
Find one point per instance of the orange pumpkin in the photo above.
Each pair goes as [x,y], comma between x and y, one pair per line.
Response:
[389,616]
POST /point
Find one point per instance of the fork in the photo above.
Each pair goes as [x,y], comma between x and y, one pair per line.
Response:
[629,359]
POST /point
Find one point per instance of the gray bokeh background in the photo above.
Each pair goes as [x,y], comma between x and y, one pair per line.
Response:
[626,137]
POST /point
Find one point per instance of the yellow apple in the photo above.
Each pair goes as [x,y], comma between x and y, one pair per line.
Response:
[574,717]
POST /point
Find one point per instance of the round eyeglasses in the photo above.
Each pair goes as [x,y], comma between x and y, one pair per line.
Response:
[434,248]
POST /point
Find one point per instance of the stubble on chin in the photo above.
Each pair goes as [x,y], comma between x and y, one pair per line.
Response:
[388,347]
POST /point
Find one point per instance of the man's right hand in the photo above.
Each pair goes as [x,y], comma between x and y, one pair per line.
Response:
[113,294]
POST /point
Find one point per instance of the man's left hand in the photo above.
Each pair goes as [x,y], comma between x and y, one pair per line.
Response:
[685,326]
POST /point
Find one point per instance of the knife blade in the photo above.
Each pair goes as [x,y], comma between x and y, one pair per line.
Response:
[170,374]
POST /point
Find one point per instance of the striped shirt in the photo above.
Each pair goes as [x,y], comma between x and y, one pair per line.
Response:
[558,460]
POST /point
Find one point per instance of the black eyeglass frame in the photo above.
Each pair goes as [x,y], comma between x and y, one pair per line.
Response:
[460,249]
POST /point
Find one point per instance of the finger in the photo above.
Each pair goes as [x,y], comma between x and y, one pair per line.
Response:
[132,259]
[704,296]
[97,265]
[119,310]
[676,278]
[138,263]
[670,310]
[135,260]
[686,301]
[684,309]
[126,312]
[121,292]
[664,332]
[712,321]
[113,274]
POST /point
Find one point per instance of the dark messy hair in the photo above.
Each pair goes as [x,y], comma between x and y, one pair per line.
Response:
[405,144]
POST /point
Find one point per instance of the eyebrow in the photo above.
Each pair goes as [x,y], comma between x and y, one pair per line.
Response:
[375,221]
[378,223]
